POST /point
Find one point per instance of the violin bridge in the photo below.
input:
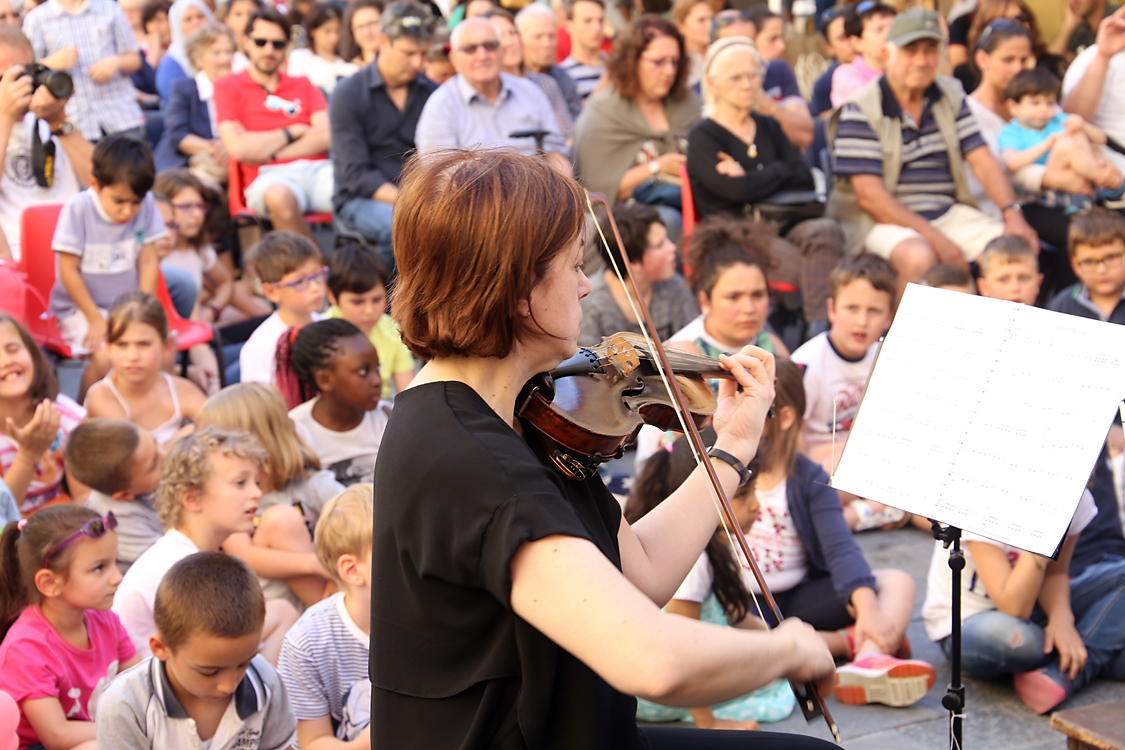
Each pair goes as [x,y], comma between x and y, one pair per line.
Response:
[622,353]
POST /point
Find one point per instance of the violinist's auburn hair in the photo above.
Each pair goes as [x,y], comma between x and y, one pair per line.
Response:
[474,232]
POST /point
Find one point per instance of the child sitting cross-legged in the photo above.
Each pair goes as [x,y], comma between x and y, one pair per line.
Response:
[121,464]
[205,684]
[208,491]
[357,289]
[329,372]
[1009,270]
[60,643]
[324,657]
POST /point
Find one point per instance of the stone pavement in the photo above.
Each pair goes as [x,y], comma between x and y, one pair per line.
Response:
[995,717]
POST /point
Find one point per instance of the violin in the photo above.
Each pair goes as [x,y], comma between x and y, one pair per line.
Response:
[592,406]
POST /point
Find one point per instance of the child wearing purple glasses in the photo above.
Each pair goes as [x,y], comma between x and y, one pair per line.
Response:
[61,645]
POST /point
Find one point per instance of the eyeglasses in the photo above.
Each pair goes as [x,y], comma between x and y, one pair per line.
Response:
[662,62]
[200,207]
[1112,261]
[278,44]
[95,528]
[319,276]
[490,46]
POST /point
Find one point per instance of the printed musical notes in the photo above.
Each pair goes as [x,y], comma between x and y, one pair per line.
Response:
[986,415]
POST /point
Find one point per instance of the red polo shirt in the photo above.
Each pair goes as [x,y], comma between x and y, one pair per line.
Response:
[240,98]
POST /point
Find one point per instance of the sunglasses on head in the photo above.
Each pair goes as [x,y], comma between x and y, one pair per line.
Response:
[1000,25]
[278,44]
[471,49]
[95,528]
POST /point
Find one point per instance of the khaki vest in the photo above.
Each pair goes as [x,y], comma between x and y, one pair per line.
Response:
[842,204]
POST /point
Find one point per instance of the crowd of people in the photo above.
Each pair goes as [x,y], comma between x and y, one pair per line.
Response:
[201,548]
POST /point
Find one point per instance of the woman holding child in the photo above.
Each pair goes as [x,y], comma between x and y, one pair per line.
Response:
[514,607]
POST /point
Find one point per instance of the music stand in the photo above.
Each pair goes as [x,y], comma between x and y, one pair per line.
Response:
[954,699]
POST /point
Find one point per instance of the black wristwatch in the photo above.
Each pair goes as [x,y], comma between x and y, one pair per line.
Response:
[743,473]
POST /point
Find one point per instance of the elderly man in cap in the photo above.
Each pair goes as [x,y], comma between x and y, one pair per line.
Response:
[901,145]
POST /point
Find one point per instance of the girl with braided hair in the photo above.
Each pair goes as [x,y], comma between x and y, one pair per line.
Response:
[328,372]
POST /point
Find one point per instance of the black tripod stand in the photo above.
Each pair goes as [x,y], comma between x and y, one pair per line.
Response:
[954,700]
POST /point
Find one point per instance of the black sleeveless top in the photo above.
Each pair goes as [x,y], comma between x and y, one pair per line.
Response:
[457,492]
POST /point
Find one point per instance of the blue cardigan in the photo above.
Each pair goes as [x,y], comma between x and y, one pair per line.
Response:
[186,115]
[819,520]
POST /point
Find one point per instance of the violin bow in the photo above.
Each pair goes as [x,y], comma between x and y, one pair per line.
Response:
[810,701]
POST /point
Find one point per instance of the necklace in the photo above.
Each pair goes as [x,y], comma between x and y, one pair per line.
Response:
[752,151]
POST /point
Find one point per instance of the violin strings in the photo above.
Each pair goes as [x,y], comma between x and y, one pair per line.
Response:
[715,500]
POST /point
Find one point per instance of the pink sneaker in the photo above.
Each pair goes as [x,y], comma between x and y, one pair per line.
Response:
[1039,691]
[883,679]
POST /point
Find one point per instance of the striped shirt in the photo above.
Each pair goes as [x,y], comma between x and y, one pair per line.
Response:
[925,184]
[585,76]
[99,30]
[323,660]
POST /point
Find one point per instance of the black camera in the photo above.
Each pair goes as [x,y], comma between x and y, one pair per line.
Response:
[58,82]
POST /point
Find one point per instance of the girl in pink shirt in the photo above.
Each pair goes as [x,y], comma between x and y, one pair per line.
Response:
[60,643]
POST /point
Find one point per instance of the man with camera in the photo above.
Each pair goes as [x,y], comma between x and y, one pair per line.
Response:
[32,175]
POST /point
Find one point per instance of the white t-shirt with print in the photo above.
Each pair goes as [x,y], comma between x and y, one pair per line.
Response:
[829,377]
[349,455]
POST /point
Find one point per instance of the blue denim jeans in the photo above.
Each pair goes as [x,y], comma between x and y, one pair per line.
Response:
[994,644]
[372,219]
[666,200]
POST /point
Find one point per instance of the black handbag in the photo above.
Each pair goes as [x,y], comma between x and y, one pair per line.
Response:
[787,209]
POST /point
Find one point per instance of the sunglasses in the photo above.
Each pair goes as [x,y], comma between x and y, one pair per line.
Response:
[299,285]
[95,528]
[471,49]
[278,44]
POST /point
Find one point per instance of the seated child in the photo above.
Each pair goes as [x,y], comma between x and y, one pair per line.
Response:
[293,276]
[331,372]
[137,389]
[205,684]
[60,643]
[121,465]
[1009,270]
[36,421]
[951,277]
[357,289]
[1096,242]
[324,657]
[866,26]
[208,491]
[1021,616]
[812,564]
[837,364]
[295,489]
[1039,133]
[104,245]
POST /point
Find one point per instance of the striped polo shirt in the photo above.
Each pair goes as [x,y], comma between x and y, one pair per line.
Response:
[925,184]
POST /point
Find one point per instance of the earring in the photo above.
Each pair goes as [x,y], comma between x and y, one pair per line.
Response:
[526,313]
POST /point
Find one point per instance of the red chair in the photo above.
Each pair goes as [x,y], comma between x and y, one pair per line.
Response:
[188,332]
[244,215]
[688,205]
[37,262]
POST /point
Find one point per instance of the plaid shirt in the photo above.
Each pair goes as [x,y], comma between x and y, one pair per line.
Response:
[98,29]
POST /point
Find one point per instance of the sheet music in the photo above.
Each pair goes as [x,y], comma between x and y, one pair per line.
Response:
[986,415]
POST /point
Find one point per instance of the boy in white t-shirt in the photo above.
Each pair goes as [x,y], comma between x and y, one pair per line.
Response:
[1021,616]
[324,659]
[294,278]
[836,366]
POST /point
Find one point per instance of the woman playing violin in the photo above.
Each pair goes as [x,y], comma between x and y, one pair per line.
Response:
[512,607]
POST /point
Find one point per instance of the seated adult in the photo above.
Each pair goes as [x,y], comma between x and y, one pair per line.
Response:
[512,63]
[184,17]
[373,116]
[1081,19]
[320,60]
[866,28]
[901,145]
[781,98]
[652,257]
[1003,49]
[276,128]
[1094,86]
[191,131]
[359,35]
[538,28]
[234,14]
[693,20]
[482,106]
[631,138]
[738,157]
[842,51]
[585,65]
[1018,12]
